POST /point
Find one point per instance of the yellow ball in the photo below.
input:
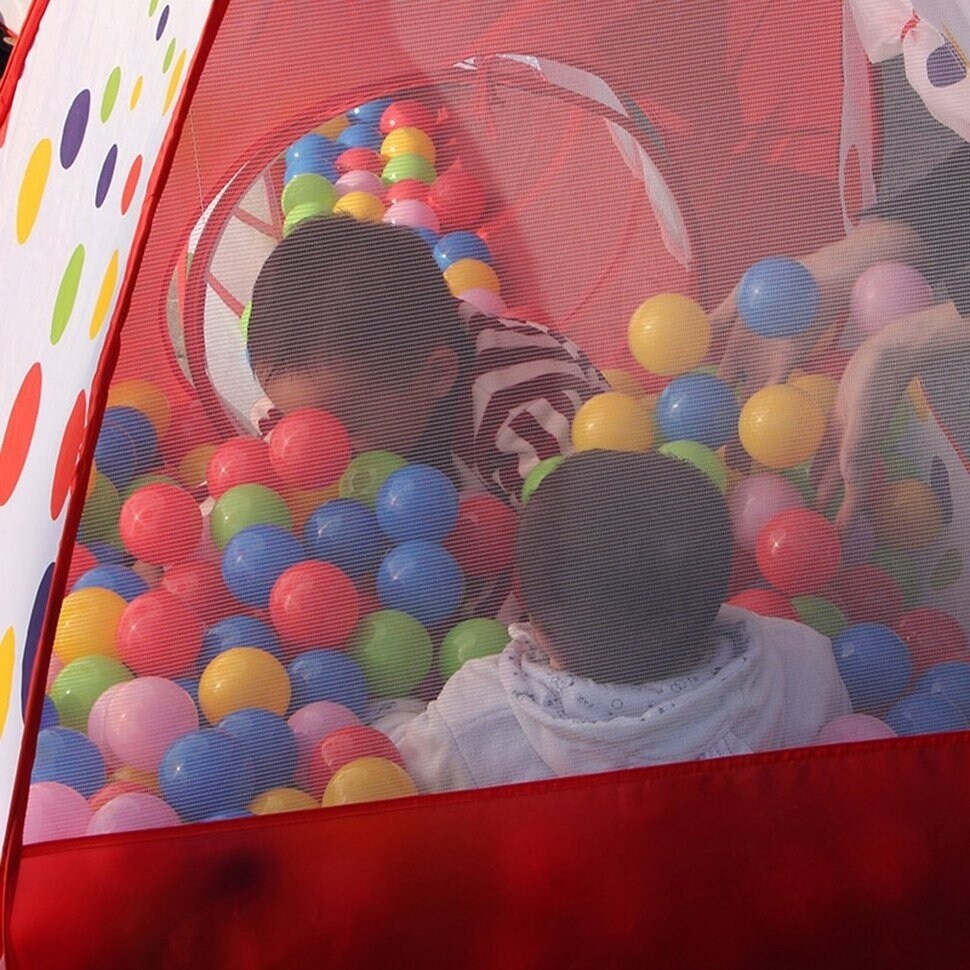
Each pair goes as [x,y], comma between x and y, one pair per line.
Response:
[624,382]
[303,502]
[145,397]
[139,776]
[362,206]
[278,800]
[471,274]
[781,426]
[614,421]
[368,780]
[243,677]
[908,515]
[408,141]
[669,334]
[194,467]
[88,624]
[333,127]
[818,387]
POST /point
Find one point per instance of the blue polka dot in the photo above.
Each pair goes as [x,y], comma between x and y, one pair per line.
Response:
[162,22]
[107,173]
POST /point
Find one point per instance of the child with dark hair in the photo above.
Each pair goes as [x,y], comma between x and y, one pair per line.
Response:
[629,658]
[355,318]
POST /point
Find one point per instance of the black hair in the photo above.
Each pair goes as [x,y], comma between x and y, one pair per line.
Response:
[339,291]
[623,564]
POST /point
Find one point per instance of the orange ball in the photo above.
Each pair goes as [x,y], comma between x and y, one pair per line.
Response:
[243,677]
[908,515]
[368,780]
[781,426]
[145,397]
[613,421]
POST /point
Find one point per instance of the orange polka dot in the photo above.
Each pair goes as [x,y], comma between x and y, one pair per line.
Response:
[131,183]
[19,433]
[67,456]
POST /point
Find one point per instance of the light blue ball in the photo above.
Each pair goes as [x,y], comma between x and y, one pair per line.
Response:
[698,407]
[417,502]
[923,713]
[422,579]
[874,664]
[778,297]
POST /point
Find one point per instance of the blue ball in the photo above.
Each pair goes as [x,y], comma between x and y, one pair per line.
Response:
[422,579]
[327,675]
[255,558]
[345,532]
[417,502]
[949,681]
[140,429]
[311,151]
[116,456]
[874,664]
[228,816]
[119,579]
[428,235]
[191,687]
[69,757]
[370,112]
[108,554]
[49,716]
[238,631]
[922,713]
[460,245]
[324,167]
[205,773]
[778,297]
[360,136]
[698,407]
[269,741]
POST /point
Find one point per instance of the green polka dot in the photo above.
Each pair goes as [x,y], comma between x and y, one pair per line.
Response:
[169,54]
[244,320]
[948,570]
[152,5]
[110,93]
[67,294]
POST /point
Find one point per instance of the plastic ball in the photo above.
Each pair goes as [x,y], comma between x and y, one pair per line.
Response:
[698,407]
[240,461]
[412,214]
[484,301]
[483,540]
[669,334]
[346,533]
[198,584]
[798,551]
[454,246]
[369,112]
[360,136]
[755,501]
[310,725]
[116,455]
[361,206]
[406,189]
[406,113]
[310,193]
[328,675]
[112,790]
[821,389]
[764,602]
[79,685]
[853,727]
[238,631]
[469,640]
[368,780]
[207,773]
[874,665]
[131,812]
[394,652]
[409,167]
[313,604]
[949,681]
[49,717]
[160,524]
[96,727]
[932,637]
[469,274]
[159,636]
[67,756]
[701,457]
[820,614]
[311,152]
[361,160]
[145,397]
[420,578]
[457,197]
[781,426]
[55,811]
[614,422]
[923,713]
[341,747]
[309,448]
[885,292]
[778,297]
[244,506]
[190,426]
[99,519]
[366,474]
[908,515]
[360,181]
[417,502]
[866,593]
[88,624]
[255,558]
[277,800]
[408,141]
[117,579]
[242,677]
[268,741]
[535,477]
[192,468]
[303,502]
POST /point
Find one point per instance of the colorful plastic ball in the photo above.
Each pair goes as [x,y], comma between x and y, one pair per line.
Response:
[79,685]
[428,237]
[821,389]
[457,197]
[240,461]
[781,426]
[866,593]
[932,637]
[854,727]
[88,624]
[406,113]
[116,455]
[49,717]
[274,801]
[360,136]
[820,614]
[341,747]
[413,214]
[874,665]
[361,160]
[908,515]
[255,558]
[764,602]
[614,422]
[306,192]
[313,604]
[111,554]
[420,578]
[143,396]
[309,448]
[55,811]
[160,524]
[83,560]
[311,153]
[97,725]
[409,167]
[701,457]
[361,206]
[798,551]
[131,812]
[369,112]
[417,502]
[394,652]
[755,501]
[198,584]
[238,631]
[242,677]
[368,780]
[536,475]
[406,189]
[408,141]
[112,790]
[244,506]
[468,274]
[190,426]
[454,246]
[923,713]
[144,716]
[118,579]
[698,407]
[359,180]
[949,681]
[297,215]
[885,292]
[345,533]
[68,757]
[159,636]
[192,468]
[484,301]
[483,540]
[99,520]
[367,473]
[469,640]
[207,773]
[328,675]
[778,297]
[270,743]
[669,334]
[310,725]
[303,502]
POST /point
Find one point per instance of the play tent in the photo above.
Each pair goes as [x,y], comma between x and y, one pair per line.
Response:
[632,149]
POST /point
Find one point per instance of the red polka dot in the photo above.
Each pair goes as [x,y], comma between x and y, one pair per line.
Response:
[67,456]
[19,433]
[131,183]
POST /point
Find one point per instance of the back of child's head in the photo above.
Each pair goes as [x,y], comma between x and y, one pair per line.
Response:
[341,293]
[623,564]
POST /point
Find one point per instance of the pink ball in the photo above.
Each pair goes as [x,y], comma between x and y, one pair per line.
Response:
[756,501]
[98,726]
[360,180]
[55,811]
[311,724]
[484,300]
[130,812]
[412,213]
[145,717]
[854,727]
[54,666]
[886,292]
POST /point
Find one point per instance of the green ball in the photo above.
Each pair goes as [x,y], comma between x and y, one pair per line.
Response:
[820,615]
[408,167]
[81,683]
[244,320]
[366,473]
[245,505]
[300,213]
[99,520]
[904,570]
[701,457]
[473,638]
[534,479]
[394,651]
[310,190]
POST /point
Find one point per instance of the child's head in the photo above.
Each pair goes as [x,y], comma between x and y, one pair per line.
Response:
[623,564]
[355,318]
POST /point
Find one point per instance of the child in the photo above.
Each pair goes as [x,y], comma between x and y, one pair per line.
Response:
[629,658]
[355,318]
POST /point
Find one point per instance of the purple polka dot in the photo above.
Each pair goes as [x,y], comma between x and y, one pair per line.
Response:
[34,625]
[107,173]
[75,124]
[162,21]
[944,68]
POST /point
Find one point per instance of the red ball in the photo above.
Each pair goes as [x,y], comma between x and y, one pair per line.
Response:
[457,198]
[868,594]
[199,585]
[764,602]
[309,448]
[314,604]
[190,427]
[160,524]
[113,789]
[407,189]
[483,540]
[359,160]
[159,636]
[82,559]
[407,113]
[798,551]
[342,746]
[240,461]
[932,637]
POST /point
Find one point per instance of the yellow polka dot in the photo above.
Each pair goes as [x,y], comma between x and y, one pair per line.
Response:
[173,83]
[32,189]
[135,93]
[105,294]
[6,674]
